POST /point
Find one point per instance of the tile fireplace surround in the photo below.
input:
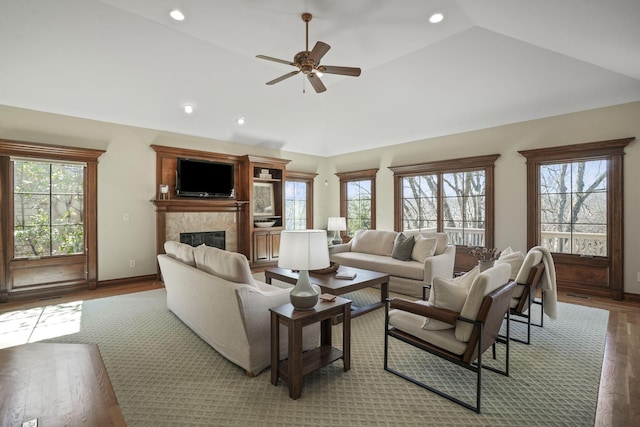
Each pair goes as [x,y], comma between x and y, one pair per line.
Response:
[189,222]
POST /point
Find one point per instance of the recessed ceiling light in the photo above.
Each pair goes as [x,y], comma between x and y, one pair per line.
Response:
[241,120]
[188,108]
[177,15]
[436,17]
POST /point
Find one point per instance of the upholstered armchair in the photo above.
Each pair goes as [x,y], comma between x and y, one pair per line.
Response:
[461,320]
[533,278]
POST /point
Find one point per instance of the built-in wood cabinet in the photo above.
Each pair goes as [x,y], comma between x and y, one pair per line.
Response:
[258,197]
[266,179]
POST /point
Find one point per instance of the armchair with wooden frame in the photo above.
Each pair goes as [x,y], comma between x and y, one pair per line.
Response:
[528,284]
[460,335]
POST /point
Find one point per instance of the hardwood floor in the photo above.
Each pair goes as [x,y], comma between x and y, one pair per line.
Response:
[619,395]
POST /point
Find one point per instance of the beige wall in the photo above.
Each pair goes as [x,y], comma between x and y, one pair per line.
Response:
[126,174]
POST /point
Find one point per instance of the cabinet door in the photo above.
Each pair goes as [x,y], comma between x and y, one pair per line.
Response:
[275,244]
[261,246]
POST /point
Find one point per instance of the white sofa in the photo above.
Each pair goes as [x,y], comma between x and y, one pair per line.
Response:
[374,250]
[213,292]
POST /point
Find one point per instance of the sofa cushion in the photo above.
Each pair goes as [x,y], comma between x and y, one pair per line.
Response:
[403,247]
[423,248]
[442,240]
[383,264]
[376,242]
[230,266]
[180,251]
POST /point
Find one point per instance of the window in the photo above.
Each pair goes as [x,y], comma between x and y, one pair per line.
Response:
[452,196]
[298,200]
[48,208]
[48,218]
[358,199]
[575,209]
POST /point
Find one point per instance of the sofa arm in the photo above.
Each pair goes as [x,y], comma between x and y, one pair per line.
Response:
[343,247]
[440,265]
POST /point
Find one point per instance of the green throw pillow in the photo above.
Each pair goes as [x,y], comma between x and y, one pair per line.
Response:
[403,247]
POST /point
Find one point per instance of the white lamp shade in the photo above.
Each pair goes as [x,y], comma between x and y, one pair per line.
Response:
[303,250]
[337,223]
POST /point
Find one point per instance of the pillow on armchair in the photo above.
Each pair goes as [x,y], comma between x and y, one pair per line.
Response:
[449,294]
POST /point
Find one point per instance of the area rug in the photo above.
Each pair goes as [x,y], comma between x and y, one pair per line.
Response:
[164,375]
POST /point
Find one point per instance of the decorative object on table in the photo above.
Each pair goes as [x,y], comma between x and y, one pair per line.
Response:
[336,224]
[486,257]
[264,223]
[164,191]
[349,275]
[333,267]
[303,250]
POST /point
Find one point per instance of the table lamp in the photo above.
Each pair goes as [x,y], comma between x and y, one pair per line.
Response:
[303,250]
[337,224]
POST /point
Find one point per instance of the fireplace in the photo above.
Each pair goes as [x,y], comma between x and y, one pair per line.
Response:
[209,238]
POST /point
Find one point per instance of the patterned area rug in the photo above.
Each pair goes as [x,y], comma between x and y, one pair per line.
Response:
[163,374]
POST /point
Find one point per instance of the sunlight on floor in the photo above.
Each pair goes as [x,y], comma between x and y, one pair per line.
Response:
[37,324]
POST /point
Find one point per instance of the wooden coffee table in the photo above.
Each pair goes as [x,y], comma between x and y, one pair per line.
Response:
[329,284]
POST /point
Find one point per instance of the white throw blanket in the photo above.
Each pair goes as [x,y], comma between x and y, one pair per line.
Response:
[548,283]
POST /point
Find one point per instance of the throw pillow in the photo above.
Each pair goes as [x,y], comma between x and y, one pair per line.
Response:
[423,248]
[514,259]
[227,265]
[447,294]
[403,247]
[180,251]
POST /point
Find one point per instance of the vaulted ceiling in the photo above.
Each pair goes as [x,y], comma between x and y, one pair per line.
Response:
[488,63]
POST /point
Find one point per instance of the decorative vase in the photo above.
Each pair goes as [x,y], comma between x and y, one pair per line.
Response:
[303,296]
[483,265]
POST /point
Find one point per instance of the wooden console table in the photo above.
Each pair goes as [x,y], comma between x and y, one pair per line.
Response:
[298,364]
[56,384]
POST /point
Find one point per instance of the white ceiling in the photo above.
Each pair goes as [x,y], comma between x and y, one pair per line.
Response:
[489,63]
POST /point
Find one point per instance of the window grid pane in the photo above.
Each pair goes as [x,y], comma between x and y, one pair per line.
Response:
[573,207]
[48,209]
[358,203]
[463,205]
[295,203]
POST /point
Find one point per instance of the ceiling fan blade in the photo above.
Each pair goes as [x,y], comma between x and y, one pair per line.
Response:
[319,50]
[316,83]
[281,78]
[345,71]
[269,58]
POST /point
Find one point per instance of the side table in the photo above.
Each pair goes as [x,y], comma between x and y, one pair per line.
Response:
[298,364]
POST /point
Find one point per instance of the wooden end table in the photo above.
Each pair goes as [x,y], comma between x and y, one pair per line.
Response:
[330,284]
[298,364]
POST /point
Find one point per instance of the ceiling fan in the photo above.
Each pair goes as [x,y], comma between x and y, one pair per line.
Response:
[308,62]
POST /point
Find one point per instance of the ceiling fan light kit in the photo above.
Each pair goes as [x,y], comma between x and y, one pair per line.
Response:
[308,62]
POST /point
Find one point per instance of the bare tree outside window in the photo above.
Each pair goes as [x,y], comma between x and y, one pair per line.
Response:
[573,207]
[463,205]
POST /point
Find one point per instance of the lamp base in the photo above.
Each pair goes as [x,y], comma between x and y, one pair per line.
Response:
[303,296]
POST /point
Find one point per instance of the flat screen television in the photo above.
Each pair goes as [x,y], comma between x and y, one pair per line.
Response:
[203,178]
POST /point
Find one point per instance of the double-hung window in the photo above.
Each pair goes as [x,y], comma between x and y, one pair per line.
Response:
[358,200]
[298,200]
